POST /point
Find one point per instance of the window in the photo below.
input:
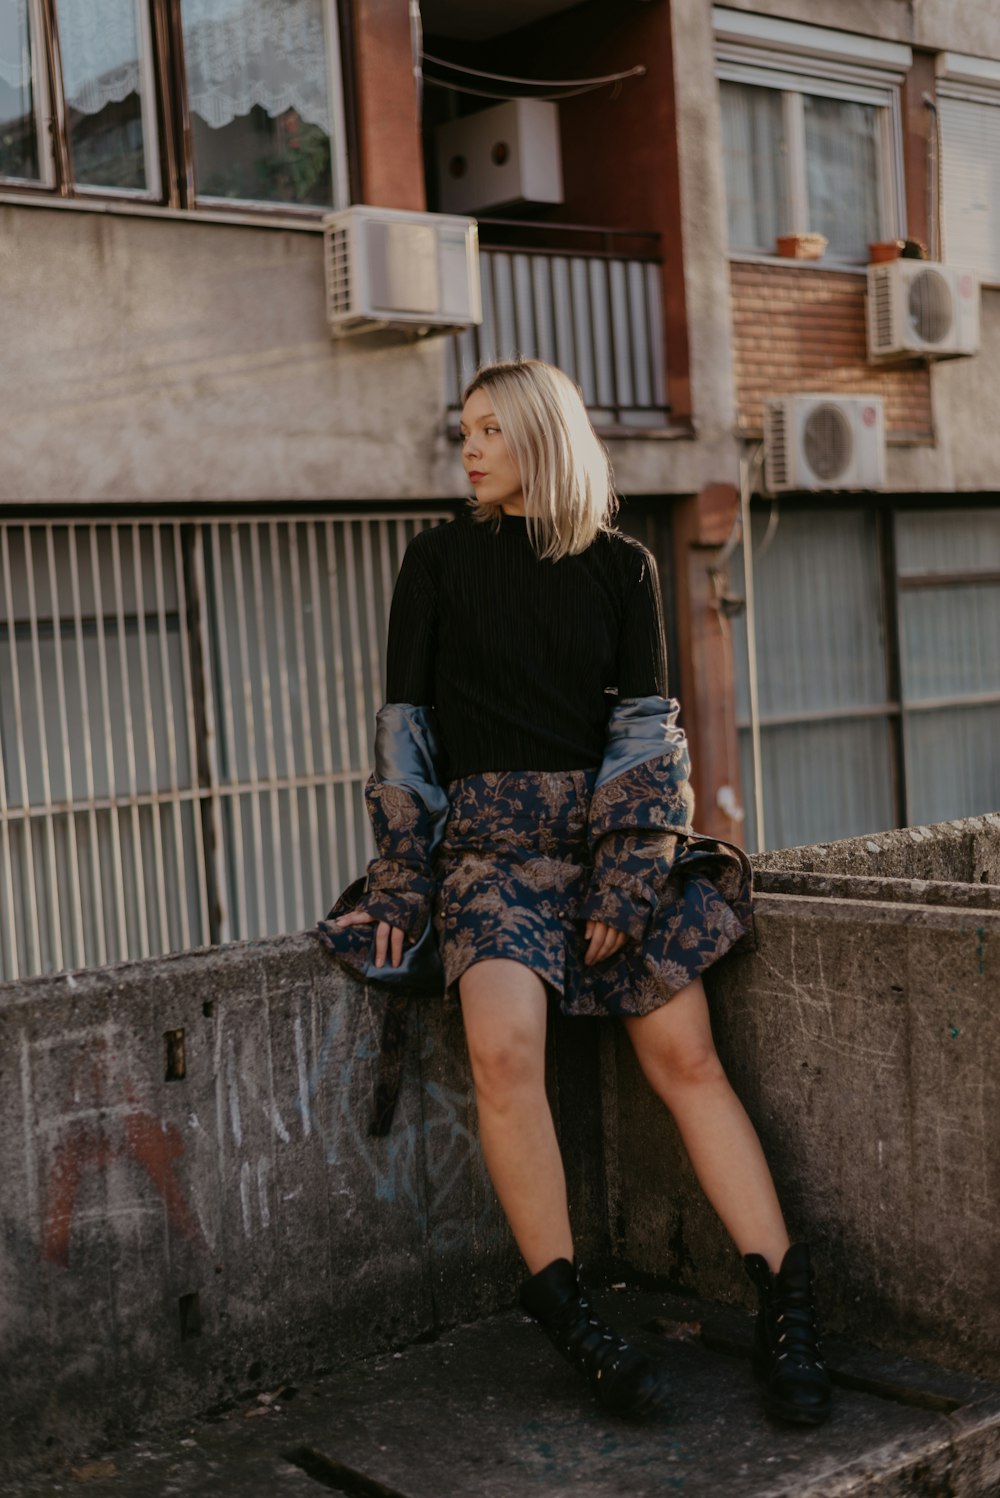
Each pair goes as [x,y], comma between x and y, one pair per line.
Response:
[184,102]
[811,133]
[808,155]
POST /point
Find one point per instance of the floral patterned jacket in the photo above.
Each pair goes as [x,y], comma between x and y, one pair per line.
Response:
[642,801]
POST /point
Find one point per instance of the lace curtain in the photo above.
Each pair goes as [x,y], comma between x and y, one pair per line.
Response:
[754,153]
[238,53]
[99,47]
[245,52]
[15,47]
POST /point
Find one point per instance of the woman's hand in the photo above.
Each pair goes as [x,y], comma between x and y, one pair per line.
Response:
[604,941]
[384,935]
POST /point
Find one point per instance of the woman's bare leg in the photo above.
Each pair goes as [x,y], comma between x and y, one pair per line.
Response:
[676,1051]
[504,1008]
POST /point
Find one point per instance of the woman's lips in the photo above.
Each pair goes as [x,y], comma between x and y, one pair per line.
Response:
[475,474]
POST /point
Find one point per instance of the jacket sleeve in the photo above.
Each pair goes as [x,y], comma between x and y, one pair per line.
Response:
[406,817]
[642,803]
[629,841]
[403,796]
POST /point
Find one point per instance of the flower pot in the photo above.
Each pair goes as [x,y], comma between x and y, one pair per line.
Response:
[801,246]
[884,249]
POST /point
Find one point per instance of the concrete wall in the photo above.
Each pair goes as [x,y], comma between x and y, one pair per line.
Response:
[166,1244]
[864,1038]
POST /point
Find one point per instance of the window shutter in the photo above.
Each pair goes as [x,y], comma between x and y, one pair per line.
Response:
[970,185]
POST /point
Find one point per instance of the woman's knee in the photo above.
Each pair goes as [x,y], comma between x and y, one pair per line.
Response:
[681,1064]
[504,1009]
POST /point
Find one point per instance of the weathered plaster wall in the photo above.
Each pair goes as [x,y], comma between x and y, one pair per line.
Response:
[160,359]
[167,1243]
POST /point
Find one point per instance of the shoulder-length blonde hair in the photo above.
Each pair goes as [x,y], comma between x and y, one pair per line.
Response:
[565,469]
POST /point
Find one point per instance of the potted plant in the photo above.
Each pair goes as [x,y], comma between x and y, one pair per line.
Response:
[801,246]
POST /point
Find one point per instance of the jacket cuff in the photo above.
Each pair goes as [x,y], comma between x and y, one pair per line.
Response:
[625,910]
[400,895]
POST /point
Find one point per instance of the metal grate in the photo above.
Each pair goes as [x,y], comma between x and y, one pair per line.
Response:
[598,316]
[186,710]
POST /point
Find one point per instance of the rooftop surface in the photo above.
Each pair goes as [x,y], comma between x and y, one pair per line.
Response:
[491,1409]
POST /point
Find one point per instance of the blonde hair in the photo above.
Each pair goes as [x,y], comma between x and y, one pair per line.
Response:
[565,469]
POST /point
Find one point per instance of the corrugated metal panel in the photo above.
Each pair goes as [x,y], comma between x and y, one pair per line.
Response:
[820,653]
[822,781]
[820,633]
[598,318]
[953,767]
[929,541]
[950,641]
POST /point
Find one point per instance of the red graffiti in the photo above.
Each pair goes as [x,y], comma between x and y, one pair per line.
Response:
[149,1143]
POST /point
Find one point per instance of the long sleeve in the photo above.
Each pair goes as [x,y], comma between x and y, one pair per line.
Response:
[642,654]
[413,633]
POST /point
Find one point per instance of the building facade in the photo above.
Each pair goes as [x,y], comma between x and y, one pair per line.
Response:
[206,497]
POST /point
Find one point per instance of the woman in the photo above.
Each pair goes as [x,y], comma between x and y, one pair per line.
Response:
[532,813]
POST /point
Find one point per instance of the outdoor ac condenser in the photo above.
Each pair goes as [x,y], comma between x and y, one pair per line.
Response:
[392,268]
[918,307]
[824,442]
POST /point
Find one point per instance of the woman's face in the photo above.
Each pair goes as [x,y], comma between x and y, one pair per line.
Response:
[490,468]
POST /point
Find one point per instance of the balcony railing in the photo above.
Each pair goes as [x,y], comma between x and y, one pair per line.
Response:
[595,312]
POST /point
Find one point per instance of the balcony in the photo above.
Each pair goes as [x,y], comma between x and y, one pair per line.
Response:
[594,310]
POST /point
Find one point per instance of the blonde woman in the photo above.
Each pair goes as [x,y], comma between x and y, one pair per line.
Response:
[532,812]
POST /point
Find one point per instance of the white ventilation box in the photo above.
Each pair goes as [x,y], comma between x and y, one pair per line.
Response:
[823,442]
[498,157]
[918,307]
[392,268]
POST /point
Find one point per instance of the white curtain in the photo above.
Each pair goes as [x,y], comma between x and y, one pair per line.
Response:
[100,51]
[15,46]
[842,168]
[240,53]
[754,153]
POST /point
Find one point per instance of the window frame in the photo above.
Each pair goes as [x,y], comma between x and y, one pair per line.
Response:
[168,141]
[794,75]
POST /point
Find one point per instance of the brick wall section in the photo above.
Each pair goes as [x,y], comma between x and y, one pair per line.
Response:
[798,329]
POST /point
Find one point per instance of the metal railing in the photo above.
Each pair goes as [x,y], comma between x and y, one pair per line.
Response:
[597,313]
[186,713]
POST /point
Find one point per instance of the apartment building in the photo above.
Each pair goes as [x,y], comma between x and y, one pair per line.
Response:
[206,495]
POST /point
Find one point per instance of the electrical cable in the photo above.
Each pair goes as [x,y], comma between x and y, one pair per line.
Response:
[457,67]
[484,93]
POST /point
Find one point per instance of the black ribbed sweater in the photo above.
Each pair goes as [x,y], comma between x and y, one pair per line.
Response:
[522,659]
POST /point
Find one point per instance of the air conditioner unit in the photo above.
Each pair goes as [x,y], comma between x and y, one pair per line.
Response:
[392,268]
[821,442]
[919,307]
[499,156]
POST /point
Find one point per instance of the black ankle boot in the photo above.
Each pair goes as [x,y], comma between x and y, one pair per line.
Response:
[624,1380]
[786,1352]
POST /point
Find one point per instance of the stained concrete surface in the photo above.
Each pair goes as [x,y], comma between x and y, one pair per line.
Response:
[491,1409]
[167,1240]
